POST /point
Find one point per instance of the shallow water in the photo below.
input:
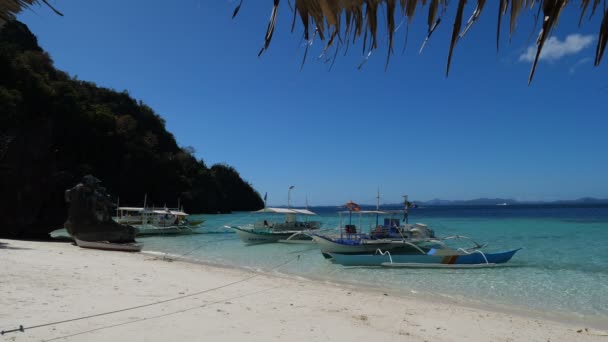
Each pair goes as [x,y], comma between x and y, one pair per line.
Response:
[563,267]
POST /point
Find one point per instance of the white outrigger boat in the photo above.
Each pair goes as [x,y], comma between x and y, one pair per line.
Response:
[289,231]
[110,246]
[389,235]
[156,221]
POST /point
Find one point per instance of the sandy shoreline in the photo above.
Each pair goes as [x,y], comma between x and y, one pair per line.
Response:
[46,282]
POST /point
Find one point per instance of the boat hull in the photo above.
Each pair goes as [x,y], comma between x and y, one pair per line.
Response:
[475,258]
[154,230]
[256,237]
[348,247]
[109,246]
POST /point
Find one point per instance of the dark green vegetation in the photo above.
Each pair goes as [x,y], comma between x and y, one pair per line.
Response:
[54,129]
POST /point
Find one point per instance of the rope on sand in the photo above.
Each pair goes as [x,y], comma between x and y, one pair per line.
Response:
[159,316]
[22,328]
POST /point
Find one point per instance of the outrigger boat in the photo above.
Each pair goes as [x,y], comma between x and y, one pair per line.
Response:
[289,231]
[156,221]
[391,235]
[434,258]
[110,246]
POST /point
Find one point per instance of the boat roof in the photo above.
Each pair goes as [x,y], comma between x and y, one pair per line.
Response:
[365,212]
[286,211]
[130,208]
[154,211]
[166,211]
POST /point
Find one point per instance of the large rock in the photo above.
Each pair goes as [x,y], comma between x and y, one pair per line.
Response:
[89,215]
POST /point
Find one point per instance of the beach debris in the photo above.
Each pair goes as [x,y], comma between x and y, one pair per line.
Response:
[590,332]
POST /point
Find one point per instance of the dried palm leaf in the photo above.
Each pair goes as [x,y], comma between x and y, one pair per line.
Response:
[602,39]
[455,31]
[9,8]
[474,17]
[551,9]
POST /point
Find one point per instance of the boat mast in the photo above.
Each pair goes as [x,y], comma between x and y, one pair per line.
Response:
[377,205]
[306,208]
[289,196]
[265,196]
[405,212]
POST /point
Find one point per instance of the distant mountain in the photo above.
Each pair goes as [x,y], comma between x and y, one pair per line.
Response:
[508,201]
[477,201]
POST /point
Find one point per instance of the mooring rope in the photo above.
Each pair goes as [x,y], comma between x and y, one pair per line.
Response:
[22,328]
[159,316]
[201,245]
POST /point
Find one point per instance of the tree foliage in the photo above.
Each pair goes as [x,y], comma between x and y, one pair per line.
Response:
[54,129]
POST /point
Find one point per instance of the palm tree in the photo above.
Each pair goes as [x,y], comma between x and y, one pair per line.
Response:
[340,21]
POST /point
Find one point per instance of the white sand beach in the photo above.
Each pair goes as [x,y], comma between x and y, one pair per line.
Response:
[45,282]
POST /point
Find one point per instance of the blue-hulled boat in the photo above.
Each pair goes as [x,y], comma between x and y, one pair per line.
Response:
[440,258]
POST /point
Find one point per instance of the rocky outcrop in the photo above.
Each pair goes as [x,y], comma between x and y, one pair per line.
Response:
[89,215]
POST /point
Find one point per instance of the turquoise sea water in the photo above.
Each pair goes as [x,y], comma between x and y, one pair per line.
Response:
[562,270]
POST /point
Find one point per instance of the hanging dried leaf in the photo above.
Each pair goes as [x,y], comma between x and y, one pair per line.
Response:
[271,26]
[455,31]
[602,39]
[502,9]
[474,17]
[551,9]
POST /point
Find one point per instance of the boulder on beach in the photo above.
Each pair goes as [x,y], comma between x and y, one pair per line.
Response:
[89,214]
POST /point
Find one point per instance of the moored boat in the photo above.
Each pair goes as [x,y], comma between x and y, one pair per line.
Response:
[110,246]
[433,258]
[386,232]
[291,230]
[154,221]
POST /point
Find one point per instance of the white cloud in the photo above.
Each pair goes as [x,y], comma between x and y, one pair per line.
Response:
[586,60]
[555,49]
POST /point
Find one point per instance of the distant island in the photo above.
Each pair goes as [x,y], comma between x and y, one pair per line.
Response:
[54,129]
[506,201]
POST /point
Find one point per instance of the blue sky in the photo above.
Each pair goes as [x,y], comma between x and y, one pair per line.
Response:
[339,135]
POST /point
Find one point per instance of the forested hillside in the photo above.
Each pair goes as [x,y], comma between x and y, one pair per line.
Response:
[54,129]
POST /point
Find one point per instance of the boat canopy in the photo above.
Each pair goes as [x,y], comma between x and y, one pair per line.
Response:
[286,211]
[153,211]
[365,212]
[130,209]
[167,211]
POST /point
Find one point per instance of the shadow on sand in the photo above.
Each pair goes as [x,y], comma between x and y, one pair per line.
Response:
[5,245]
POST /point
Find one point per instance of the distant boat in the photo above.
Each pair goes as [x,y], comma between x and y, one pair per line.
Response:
[289,231]
[502,204]
[110,246]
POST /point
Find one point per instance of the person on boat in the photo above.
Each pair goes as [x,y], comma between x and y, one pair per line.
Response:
[265,223]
